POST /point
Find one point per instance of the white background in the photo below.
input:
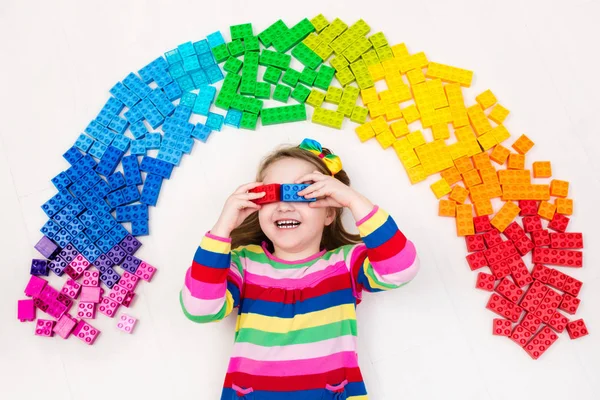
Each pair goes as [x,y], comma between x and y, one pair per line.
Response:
[429,340]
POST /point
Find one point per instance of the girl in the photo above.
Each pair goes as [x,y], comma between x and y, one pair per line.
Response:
[295,275]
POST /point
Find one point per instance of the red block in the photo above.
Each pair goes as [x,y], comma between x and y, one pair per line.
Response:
[502,327]
[532,223]
[541,273]
[519,272]
[485,282]
[492,238]
[509,290]
[569,240]
[541,238]
[565,258]
[514,231]
[569,304]
[559,222]
[475,243]
[531,322]
[500,252]
[577,329]
[504,308]
[482,224]
[524,245]
[476,260]
[534,296]
[272,193]
[541,342]
[520,335]
[558,322]
[528,207]
[548,306]
[502,268]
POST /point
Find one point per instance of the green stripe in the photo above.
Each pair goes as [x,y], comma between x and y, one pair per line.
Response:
[263,259]
[383,284]
[308,335]
[203,318]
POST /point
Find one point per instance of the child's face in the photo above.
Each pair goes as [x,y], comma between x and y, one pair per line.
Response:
[304,227]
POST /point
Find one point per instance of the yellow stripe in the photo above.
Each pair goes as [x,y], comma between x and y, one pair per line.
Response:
[285,325]
[253,248]
[370,225]
[372,283]
[363,397]
[229,303]
[216,246]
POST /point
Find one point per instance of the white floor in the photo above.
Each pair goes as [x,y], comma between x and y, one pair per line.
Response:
[430,340]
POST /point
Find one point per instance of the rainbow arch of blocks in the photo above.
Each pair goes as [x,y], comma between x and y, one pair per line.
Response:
[150,112]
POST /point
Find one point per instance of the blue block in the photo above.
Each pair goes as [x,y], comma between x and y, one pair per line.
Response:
[186,49]
[177,127]
[63,238]
[75,227]
[162,78]
[91,253]
[70,211]
[170,155]
[109,161]
[289,192]
[177,71]
[147,72]
[97,150]
[104,117]
[121,142]
[125,95]
[182,113]
[201,47]
[188,99]
[201,107]
[116,181]
[186,83]
[138,129]
[106,221]
[94,232]
[215,39]
[156,167]
[161,102]
[57,203]
[101,188]
[84,142]
[105,243]
[115,199]
[139,227]
[88,218]
[79,188]
[61,181]
[83,165]
[134,114]
[201,132]
[191,64]
[206,60]
[151,189]
[50,229]
[130,194]
[72,155]
[233,118]
[81,242]
[214,121]
[214,74]
[132,212]
[118,125]
[173,56]
[131,170]
[173,91]
[183,143]
[100,206]
[151,113]
[113,106]
[90,178]
[136,85]
[153,140]
[199,78]
[118,232]
[208,93]
[138,147]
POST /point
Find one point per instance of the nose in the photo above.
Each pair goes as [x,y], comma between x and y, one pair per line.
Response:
[284,206]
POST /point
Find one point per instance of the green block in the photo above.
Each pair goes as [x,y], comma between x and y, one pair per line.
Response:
[248,87]
[236,48]
[263,90]
[279,60]
[378,39]
[290,77]
[241,31]
[253,105]
[282,93]
[233,65]
[251,43]
[220,52]
[251,58]
[272,75]
[249,121]
[266,36]
[324,77]
[359,115]
[224,99]
[308,76]
[283,41]
[238,102]
[280,115]
[306,56]
[231,82]
[300,93]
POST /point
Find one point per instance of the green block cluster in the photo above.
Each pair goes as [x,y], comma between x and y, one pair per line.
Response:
[241,31]
[280,115]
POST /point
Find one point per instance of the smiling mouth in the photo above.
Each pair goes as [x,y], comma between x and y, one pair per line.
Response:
[287,224]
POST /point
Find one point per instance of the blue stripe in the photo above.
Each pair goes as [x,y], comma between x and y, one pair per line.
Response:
[212,259]
[281,310]
[352,389]
[382,234]
[235,292]
[363,280]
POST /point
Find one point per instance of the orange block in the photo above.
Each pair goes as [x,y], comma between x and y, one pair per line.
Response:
[483,207]
[485,191]
[505,216]
[564,206]
[464,220]
[451,175]
[546,210]
[447,208]
[489,175]
[463,164]
[459,194]
[516,161]
[523,144]
[482,161]
[514,176]
[542,169]
[525,192]
[559,188]
[471,178]
[499,154]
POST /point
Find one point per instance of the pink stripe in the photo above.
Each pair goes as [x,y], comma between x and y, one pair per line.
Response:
[198,307]
[302,351]
[279,260]
[202,290]
[400,261]
[235,276]
[366,217]
[398,278]
[219,238]
[262,269]
[306,281]
[347,359]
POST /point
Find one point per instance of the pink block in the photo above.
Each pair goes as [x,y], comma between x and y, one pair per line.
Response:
[71,288]
[126,323]
[48,292]
[145,271]
[118,294]
[86,310]
[77,266]
[86,332]
[91,294]
[129,281]
[128,299]
[44,327]
[25,310]
[56,309]
[91,278]
[108,307]
[35,286]
[64,326]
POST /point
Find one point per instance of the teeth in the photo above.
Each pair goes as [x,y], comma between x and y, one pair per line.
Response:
[287,224]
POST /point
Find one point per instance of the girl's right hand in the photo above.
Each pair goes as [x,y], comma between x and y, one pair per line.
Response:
[237,208]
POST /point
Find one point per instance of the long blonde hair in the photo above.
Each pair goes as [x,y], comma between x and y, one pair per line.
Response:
[334,234]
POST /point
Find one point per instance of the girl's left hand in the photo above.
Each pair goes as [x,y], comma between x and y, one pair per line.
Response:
[334,192]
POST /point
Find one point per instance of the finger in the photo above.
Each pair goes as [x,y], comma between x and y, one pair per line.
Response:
[250,195]
[248,186]
[316,193]
[311,188]
[313,176]
[248,204]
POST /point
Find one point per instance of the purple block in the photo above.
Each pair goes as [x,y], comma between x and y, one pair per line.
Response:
[68,253]
[26,310]
[103,263]
[116,254]
[57,266]
[47,247]
[110,278]
[35,286]
[64,326]
[39,267]
[131,264]
[130,244]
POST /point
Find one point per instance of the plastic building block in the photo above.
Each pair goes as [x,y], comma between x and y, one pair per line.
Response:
[566,240]
[520,335]
[289,193]
[108,307]
[64,326]
[156,167]
[263,90]
[90,294]
[504,308]
[485,282]
[282,93]
[558,322]
[531,322]
[86,332]
[546,210]
[482,224]
[528,207]
[541,273]
[330,118]
[509,290]
[548,306]
[44,327]
[25,310]
[476,260]
[464,220]
[440,188]
[118,294]
[540,343]
[564,206]
[559,223]
[569,304]
[564,282]
[131,170]
[523,144]
[447,208]
[86,310]
[300,93]
[519,272]
[516,161]
[534,296]
[505,216]
[39,267]
[46,247]
[145,271]
[559,188]
[126,323]
[110,277]
[532,223]
[501,327]
[278,115]
[151,189]
[542,169]
[524,245]
[565,258]
[34,286]
[459,194]
[129,281]
[475,243]
[272,193]
[71,288]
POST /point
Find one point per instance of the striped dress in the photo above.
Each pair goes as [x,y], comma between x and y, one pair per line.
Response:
[296,333]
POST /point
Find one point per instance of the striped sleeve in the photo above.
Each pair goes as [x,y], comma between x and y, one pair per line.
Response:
[213,283]
[386,259]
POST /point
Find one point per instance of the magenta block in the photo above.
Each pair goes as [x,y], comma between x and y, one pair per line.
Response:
[35,286]
[128,299]
[145,271]
[86,310]
[77,266]
[64,326]
[71,288]
[129,281]
[91,294]
[91,278]
[25,310]
[44,327]
[86,332]
[108,307]
[126,323]
[118,294]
